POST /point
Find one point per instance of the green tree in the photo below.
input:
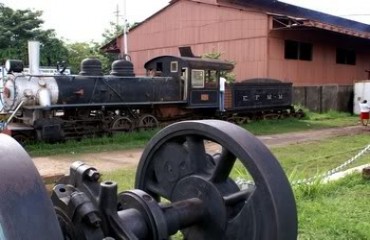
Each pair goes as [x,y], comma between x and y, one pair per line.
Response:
[112,33]
[17,27]
[52,49]
[229,76]
[78,51]
[114,30]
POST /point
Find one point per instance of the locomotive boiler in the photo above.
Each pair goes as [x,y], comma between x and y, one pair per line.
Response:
[58,107]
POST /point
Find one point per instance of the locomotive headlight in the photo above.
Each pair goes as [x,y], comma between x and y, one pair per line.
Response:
[13,66]
[7,65]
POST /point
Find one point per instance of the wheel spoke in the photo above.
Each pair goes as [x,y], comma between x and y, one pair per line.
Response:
[224,166]
[238,197]
[197,154]
[148,122]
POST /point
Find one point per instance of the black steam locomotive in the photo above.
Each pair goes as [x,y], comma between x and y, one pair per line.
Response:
[53,108]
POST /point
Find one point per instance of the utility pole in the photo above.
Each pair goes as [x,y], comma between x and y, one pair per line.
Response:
[117,13]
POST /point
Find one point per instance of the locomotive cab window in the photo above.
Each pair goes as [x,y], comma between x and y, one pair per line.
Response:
[159,69]
[211,77]
[197,78]
[174,66]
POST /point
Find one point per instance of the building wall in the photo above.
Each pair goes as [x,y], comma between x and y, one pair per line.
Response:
[240,35]
[324,97]
[244,36]
[323,68]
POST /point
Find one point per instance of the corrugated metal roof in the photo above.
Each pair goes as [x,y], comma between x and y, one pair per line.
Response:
[274,6]
[289,22]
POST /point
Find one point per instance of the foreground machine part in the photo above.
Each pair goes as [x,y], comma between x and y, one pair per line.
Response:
[178,165]
[185,184]
[26,211]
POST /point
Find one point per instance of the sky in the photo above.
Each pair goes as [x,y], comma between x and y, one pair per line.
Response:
[86,20]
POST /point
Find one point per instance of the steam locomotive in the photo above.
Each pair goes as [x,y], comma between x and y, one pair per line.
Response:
[58,107]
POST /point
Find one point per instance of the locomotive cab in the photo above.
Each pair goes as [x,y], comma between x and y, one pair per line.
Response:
[199,77]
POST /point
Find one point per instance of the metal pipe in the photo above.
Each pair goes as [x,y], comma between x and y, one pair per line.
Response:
[34,57]
[125,47]
[13,114]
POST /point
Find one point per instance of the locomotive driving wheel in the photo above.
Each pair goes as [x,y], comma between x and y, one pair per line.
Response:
[148,122]
[122,124]
[181,163]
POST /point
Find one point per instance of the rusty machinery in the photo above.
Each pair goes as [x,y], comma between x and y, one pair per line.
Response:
[183,187]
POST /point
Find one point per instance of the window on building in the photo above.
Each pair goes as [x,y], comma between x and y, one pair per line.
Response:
[298,50]
[346,56]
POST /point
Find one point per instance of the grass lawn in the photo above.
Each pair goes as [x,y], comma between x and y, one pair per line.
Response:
[313,121]
[334,211]
[139,139]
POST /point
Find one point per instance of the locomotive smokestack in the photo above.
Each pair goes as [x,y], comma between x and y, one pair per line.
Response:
[34,57]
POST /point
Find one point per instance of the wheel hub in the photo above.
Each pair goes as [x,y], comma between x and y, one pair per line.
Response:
[214,220]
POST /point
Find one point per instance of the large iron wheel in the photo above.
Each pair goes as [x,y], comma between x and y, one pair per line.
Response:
[26,211]
[180,163]
[148,122]
[122,124]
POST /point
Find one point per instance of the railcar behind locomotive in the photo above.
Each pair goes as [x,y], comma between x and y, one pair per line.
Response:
[54,108]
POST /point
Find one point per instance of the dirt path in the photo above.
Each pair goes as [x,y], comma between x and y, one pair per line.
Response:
[106,161]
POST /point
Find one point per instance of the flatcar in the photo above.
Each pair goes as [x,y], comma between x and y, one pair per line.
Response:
[54,108]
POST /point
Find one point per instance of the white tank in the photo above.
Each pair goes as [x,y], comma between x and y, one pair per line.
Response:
[34,91]
[361,92]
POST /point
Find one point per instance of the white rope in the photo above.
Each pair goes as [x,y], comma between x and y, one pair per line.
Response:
[244,183]
[332,171]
